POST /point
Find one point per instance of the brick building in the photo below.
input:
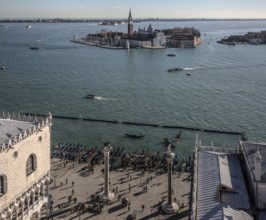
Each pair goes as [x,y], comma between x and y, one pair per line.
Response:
[24,165]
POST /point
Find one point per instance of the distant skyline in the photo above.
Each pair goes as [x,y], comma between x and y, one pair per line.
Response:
[140,9]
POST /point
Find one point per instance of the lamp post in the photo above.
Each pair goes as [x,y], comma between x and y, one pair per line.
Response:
[169,206]
[106,195]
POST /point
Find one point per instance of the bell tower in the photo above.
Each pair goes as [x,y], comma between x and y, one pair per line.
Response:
[130,24]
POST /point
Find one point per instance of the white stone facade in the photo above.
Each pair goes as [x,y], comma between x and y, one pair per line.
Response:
[24,189]
[257,185]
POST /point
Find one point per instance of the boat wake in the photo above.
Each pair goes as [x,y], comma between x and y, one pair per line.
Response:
[101,98]
[191,68]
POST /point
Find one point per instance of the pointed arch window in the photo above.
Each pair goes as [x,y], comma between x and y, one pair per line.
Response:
[3,185]
[31,165]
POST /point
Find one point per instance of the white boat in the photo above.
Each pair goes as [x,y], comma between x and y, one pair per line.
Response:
[28,26]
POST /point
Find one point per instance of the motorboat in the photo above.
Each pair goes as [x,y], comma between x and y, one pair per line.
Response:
[140,135]
[34,48]
[90,96]
[175,69]
[28,26]
[3,67]
[171,55]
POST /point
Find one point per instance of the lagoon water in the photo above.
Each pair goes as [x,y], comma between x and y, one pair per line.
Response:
[225,91]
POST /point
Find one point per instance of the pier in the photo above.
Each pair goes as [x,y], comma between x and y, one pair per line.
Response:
[142,124]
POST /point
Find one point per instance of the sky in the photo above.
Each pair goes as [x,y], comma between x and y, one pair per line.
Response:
[140,8]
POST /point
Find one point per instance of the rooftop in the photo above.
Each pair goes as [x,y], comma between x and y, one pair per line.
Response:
[10,128]
[250,149]
[15,127]
[222,193]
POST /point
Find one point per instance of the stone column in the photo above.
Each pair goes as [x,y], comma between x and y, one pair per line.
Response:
[38,196]
[106,195]
[33,199]
[169,163]
[106,171]
[16,208]
[16,213]
[28,204]
[169,206]
[22,210]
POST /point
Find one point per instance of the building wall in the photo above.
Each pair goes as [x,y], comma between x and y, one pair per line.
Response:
[15,167]
[184,41]
[257,189]
[134,43]
[261,196]
[198,40]
[251,184]
[159,40]
[130,29]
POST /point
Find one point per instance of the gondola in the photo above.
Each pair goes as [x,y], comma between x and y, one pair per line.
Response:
[90,96]
[178,136]
[140,135]
[166,141]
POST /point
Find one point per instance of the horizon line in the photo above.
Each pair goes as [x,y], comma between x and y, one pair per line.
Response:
[156,18]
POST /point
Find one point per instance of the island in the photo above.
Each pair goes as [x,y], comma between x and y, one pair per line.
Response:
[187,37]
[255,38]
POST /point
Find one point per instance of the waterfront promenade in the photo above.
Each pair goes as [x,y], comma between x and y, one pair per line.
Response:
[95,44]
[74,187]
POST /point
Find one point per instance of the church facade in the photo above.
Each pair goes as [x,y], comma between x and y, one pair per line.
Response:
[144,38]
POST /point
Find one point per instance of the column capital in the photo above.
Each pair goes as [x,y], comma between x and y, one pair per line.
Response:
[169,155]
[107,149]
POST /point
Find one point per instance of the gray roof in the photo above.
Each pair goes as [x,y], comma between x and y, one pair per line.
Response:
[262,215]
[250,149]
[208,205]
[10,128]
[233,179]
[222,192]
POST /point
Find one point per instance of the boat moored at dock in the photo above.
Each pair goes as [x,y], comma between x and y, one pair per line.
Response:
[140,135]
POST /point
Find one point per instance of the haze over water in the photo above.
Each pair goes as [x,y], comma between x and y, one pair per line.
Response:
[225,91]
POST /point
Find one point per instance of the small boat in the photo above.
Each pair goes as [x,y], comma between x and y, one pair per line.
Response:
[178,136]
[3,67]
[90,96]
[189,74]
[28,26]
[166,140]
[175,69]
[140,135]
[34,48]
[171,55]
